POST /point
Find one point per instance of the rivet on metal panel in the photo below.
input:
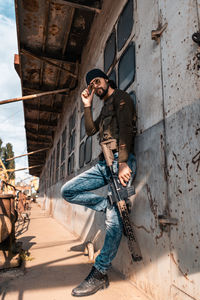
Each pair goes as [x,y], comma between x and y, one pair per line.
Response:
[156,34]
[196,39]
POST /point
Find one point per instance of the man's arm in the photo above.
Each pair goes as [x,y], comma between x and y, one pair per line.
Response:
[91,126]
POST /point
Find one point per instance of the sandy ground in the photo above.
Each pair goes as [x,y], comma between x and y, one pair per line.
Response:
[53,269]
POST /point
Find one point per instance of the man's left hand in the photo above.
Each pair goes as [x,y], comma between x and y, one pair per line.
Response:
[124,173]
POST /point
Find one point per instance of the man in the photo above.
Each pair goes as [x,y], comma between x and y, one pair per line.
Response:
[115,121]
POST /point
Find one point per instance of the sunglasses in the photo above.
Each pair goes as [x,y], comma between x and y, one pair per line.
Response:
[94,83]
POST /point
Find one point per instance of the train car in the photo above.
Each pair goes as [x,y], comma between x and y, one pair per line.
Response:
[151,50]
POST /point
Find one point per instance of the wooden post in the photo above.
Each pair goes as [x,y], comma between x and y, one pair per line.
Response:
[33,152]
[33,96]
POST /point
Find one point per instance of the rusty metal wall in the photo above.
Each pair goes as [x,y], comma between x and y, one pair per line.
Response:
[167,148]
[181,91]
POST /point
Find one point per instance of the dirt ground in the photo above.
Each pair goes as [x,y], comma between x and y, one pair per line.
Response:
[53,266]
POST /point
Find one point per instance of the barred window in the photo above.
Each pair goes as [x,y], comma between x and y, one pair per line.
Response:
[126,68]
[70,164]
[81,154]
[52,167]
[110,51]
[57,161]
[82,128]
[112,75]
[63,154]
[125,25]
[71,146]
[88,149]
[85,149]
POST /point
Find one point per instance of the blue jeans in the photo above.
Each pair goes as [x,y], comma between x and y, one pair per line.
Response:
[77,191]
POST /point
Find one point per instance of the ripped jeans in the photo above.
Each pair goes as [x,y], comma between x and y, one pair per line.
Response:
[77,191]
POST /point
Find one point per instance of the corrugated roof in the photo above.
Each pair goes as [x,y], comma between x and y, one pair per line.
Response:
[51,37]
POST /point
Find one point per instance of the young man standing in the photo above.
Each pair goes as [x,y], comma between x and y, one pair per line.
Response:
[116,121]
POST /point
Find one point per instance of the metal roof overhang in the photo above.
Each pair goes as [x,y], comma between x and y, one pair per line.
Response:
[51,37]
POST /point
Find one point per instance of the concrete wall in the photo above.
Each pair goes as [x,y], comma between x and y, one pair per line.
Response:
[167,147]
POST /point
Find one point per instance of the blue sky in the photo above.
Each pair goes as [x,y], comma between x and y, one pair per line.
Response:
[7,8]
[11,115]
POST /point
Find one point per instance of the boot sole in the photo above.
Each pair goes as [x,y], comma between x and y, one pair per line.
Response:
[104,286]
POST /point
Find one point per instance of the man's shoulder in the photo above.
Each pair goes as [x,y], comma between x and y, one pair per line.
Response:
[120,94]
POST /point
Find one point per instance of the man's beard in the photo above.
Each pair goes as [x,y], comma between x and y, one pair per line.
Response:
[105,91]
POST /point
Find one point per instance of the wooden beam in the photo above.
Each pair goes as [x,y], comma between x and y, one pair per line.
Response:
[41,122]
[45,108]
[76,5]
[30,153]
[29,142]
[15,170]
[30,54]
[36,132]
[68,28]
[59,59]
[37,139]
[33,96]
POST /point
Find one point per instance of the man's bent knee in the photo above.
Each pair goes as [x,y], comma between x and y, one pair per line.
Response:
[66,193]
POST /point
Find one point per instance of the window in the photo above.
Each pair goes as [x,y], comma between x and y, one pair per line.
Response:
[85,149]
[72,132]
[110,51]
[52,167]
[57,161]
[70,164]
[63,154]
[82,128]
[88,149]
[112,75]
[126,68]
[125,25]
[123,68]
[72,136]
[81,154]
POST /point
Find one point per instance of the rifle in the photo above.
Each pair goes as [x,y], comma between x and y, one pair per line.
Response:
[119,195]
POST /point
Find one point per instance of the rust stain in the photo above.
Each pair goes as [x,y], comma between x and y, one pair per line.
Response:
[184,274]
[188,179]
[196,159]
[31,5]
[197,131]
[152,203]
[175,156]
[54,30]
[173,259]
[141,227]
[159,236]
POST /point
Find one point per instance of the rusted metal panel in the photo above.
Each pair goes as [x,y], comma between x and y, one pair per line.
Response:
[179,61]
[30,22]
[178,294]
[57,26]
[182,109]
[150,202]
[148,61]
[183,140]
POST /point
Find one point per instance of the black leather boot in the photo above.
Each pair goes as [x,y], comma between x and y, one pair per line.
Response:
[92,283]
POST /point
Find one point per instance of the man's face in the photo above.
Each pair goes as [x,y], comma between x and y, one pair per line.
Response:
[100,85]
